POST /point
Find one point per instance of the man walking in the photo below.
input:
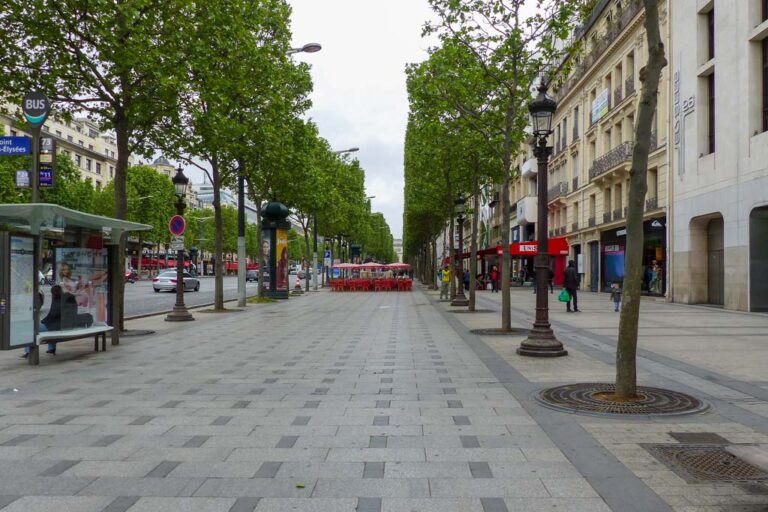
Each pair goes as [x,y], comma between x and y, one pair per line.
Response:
[445,282]
[571,285]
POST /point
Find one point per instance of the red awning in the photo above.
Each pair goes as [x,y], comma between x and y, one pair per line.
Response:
[555,246]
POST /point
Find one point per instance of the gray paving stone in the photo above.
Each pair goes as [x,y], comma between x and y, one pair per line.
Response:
[107,440]
[254,487]
[371,488]
[58,503]
[487,488]
[426,470]
[163,469]
[59,468]
[111,486]
[377,442]
[433,505]
[121,504]
[19,439]
[185,504]
[268,470]
[245,505]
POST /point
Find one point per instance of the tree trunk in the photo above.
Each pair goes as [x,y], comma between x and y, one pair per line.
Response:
[308,264]
[453,262]
[138,260]
[473,248]
[121,208]
[650,75]
[218,244]
[506,298]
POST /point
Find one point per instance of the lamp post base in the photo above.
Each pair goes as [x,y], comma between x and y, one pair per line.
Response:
[179,314]
[460,301]
[541,342]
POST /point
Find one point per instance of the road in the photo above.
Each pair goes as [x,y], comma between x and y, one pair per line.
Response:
[140,299]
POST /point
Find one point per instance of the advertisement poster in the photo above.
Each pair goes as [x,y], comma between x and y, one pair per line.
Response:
[600,105]
[281,256]
[22,276]
[614,264]
[82,273]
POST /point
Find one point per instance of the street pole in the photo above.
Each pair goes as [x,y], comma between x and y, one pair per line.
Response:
[179,312]
[460,299]
[241,241]
[314,253]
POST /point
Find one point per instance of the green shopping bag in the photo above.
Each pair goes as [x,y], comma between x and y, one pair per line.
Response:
[564,296]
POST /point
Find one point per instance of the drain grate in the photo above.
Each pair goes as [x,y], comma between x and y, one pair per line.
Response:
[587,398]
[705,463]
[698,438]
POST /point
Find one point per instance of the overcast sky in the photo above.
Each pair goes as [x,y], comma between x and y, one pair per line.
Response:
[359,97]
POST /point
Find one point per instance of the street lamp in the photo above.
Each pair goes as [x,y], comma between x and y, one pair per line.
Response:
[307,48]
[343,151]
[179,313]
[460,299]
[541,341]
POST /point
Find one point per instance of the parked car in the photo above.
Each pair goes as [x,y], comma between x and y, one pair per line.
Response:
[167,282]
[252,275]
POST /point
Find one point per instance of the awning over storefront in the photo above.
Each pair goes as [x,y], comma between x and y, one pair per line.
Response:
[555,246]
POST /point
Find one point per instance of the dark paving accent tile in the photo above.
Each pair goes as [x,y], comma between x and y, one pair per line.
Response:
[192,391]
[311,404]
[171,404]
[241,404]
[289,364]
[106,440]
[66,391]
[287,442]
[449,391]
[321,391]
[455,404]
[333,372]
[387,372]
[368,505]
[385,391]
[461,420]
[270,381]
[142,420]
[296,358]
[257,391]
[153,381]
[469,442]
[212,381]
[16,441]
[59,468]
[441,370]
[301,421]
[63,420]
[699,438]
[445,380]
[373,470]
[377,442]
[101,403]
[380,421]
[279,372]
[221,420]
[162,469]
[480,470]
[438,363]
[493,505]
[339,364]
[329,381]
[130,391]
[389,363]
[383,404]
[32,403]
[121,504]
[268,470]
[386,380]
[389,357]
[436,357]
[196,442]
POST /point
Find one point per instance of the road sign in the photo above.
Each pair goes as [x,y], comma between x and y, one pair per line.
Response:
[22,179]
[45,171]
[15,146]
[35,106]
[327,262]
[177,243]
[326,254]
[177,225]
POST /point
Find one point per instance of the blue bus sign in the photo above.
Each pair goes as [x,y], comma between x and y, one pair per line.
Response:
[15,146]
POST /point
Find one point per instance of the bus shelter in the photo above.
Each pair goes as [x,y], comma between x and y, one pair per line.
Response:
[81,249]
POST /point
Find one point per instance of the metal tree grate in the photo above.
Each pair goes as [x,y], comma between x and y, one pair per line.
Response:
[706,463]
[500,332]
[588,398]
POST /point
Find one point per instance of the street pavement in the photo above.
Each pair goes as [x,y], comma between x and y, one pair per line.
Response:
[372,402]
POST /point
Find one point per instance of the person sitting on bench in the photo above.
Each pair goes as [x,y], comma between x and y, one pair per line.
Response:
[52,321]
[62,315]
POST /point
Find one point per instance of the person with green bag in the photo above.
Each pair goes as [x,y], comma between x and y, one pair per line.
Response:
[571,286]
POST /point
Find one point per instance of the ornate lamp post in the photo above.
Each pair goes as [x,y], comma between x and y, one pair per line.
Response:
[541,340]
[180,312]
[460,299]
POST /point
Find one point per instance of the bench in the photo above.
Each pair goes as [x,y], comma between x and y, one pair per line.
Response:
[79,333]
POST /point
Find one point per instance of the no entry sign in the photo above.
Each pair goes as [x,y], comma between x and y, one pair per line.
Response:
[177,225]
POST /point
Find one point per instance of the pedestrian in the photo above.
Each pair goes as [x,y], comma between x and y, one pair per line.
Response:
[616,296]
[495,278]
[466,279]
[571,285]
[445,281]
[52,321]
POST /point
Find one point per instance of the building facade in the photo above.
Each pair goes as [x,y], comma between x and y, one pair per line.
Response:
[592,140]
[719,65]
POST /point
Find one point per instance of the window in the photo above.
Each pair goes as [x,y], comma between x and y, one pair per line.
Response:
[765,10]
[87,164]
[14,133]
[576,121]
[90,146]
[711,113]
[565,132]
[78,160]
[58,133]
[98,185]
[711,33]
[69,138]
[111,171]
[98,168]
[765,80]
[46,129]
[80,143]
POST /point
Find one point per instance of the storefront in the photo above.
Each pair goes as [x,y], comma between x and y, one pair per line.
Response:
[522,254]
[613,246]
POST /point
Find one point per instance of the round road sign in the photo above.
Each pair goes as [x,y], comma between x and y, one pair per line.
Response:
[35,106]
[177,225]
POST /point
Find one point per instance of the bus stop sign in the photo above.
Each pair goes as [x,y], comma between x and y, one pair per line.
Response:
[177,225]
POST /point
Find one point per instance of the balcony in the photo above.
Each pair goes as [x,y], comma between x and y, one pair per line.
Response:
[574,227]
[617,97]
[575,184]
[591,222]
[559,190]
[575,134]
[560,231]
[615,157]
[651,204]
[527,210]
[618,214]
[606,217]
[529,168]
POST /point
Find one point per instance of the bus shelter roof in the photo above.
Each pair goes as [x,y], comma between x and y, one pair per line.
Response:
[37,217]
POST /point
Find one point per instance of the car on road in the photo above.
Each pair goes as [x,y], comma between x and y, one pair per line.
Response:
[252,275]
[167,282]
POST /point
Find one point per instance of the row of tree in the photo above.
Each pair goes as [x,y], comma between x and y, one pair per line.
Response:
[208,83]
[468,123]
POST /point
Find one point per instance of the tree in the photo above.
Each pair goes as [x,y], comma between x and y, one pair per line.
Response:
[650,75]
[116,60]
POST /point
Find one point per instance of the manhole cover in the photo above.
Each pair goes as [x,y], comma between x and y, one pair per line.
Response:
[468,311]
[500,332]
[705,463]
[698,438]
[585,398]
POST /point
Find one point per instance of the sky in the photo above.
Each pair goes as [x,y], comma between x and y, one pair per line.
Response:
[359,97]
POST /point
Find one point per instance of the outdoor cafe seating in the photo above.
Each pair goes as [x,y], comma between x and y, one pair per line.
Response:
[371,277]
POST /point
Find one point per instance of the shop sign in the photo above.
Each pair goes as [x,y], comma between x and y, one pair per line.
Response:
[529,248]
[612,248]
[621,232]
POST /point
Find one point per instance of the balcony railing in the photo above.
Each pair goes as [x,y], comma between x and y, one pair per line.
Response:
[574,227]
[617,97]
[629,85]
[591,222]
[616,156]
[575,184]
[557,191]
[575,134]
[618,214]
[652,203]
[561,230]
